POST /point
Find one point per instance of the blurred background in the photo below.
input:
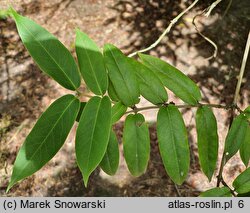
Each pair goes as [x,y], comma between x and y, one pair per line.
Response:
[25,92]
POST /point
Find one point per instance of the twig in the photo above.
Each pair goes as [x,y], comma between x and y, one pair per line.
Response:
[167,30]
[211,7]
[242,70]
[188,106]
[231,190]
[207,13]
[227,9]
[205,37]
[177,190]
[234,105]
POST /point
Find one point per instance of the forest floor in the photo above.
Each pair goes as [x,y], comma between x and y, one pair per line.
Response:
[25,91]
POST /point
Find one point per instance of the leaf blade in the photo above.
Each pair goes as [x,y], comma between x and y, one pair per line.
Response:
[173,79]
[92,135]
[110,161]
[118,110]
[217,192]
[91,63]
[173,143]
[49,53]
[136,144]
[122,75]
[151,87]
[207,138]
[235,136]
[37,149]
[242,182]
[245,148]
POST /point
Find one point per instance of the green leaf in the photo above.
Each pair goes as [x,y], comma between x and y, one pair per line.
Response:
[92,135]
[112,93]
[207,140]
[235,136]
[242,183]
[136,144]
[91,64]
[244,195]
[245,148]
[118,110]
[122,75]
[80,111]
[110,161]
[173,143]
[151,87]
[217,192]
[46,138]
[48,52]
[173,79]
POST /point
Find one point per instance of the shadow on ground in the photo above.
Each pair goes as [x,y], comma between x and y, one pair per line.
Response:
[146,20]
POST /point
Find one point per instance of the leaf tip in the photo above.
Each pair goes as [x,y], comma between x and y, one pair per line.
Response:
[85,180]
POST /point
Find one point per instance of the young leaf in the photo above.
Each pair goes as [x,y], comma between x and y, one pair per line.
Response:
[136,144]
[48,52]
[110,161]
[151,87]
[91,64]
[242,183]
[173,79]
[245,148]
[118,111]
[235,136]
[112,93]
[122,75]
[80,111]
[206,126]
[173,143]
[92,135]
[217,192]
[46,137]
[247,113]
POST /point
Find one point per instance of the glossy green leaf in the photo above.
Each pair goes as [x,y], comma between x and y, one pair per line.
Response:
[118,110]
[136,144]
[242,183]
[217,192]
[206,126]
[110,161]
[235,136]
[80,111]
[48,52]
[151,87]
[91,64]
[173,143]
[173,79]
[245,148]
[122,75]
[112,93]
[92,135]
[46,137]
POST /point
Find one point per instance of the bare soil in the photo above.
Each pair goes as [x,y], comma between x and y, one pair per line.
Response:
[25,91]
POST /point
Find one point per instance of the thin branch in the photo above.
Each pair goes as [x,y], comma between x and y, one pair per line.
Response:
[176,19]
[242,70]
[207,13]
[231,190]
[226,107]
[205,37]
[211,7]
[234,104]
